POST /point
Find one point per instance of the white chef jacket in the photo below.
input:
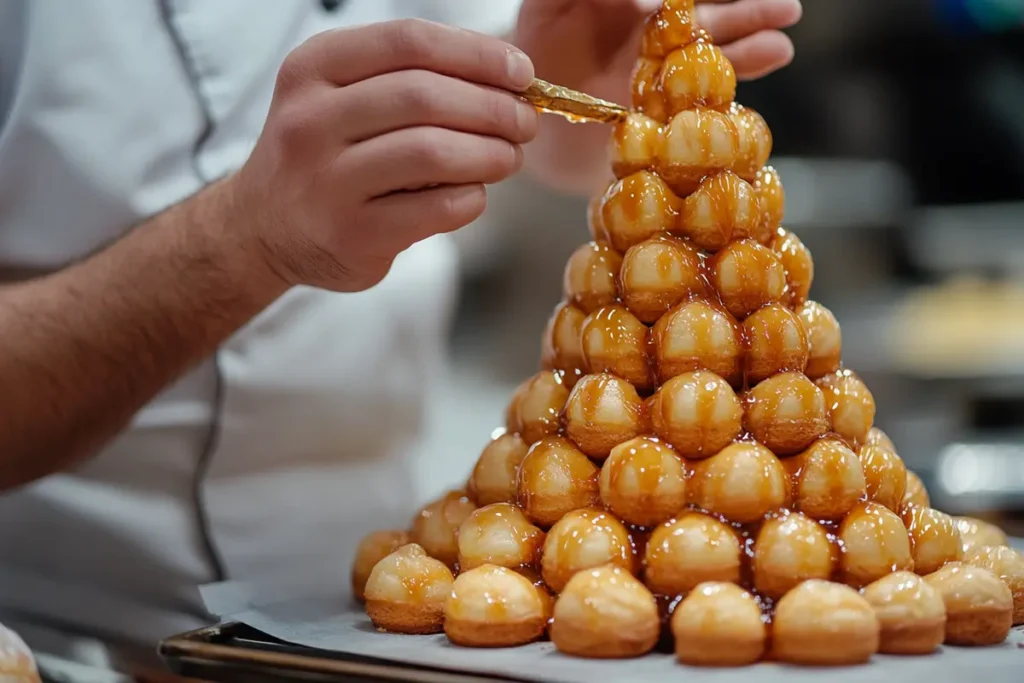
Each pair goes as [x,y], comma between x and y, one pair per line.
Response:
[281,451]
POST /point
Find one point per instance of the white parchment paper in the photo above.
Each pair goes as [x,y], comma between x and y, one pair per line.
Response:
[297,612]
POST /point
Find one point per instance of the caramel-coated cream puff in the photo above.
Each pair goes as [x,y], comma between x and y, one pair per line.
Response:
[658,274]
[555,477]
[786,412]
[824,338]
[615,341]
[772,197]
[743,482]
[637,142]
[648,98]
[635,209]
[875,543]
[585,539]
[851,405]
[976,532]
[698,74]
[876,437]
[718,624]
[1008,565]
[493,479]
[407,590]
[696,335]
[827,479]
[536,407]
[824,624]
[698,413]
[492,606]
[885,476]
[372,549]
[603,411]
[690,550]
[910,611]
[790,549]
[934,538]
[979,606]
[916,493]
[605,613]
[436,526]
[561,345]
[747,275]
[775,342]
[499,534]
[643,481]
[668,29]
[590,276]
[724,207]
[796,259]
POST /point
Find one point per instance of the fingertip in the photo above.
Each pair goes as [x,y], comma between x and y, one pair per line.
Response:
[520,68]
[760,54]
[466,203]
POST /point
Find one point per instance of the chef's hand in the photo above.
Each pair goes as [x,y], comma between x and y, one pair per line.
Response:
[592,45]
[379,137]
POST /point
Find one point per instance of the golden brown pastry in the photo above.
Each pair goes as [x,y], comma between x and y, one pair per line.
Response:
[796,259]
[647,95]
[824,338]
[499,534]
[698,75]
[1008,565]
[827,479]
[591,273]
[876,437]
[658,274]
[555,478]
[790,549]
[561,347]
[976,532]
[697,336]
[536,406]
[670,27]
[698,413]
[615,341]
[753,141]
[743,482]
[603,411]
[605,613]
[494,476]
[747,275]
[372,549]
[692,145]
[910,611]
[850,405]
[885,476]
[875,543]
[722,208]
[17,665]
[492,606]
[635,209]
[718,624]
[934,538]
[435,526]
[916,494]
[407,590]
[584,539]
[786,413]
[824,624]
[636,144]
[979,607]
[775,342]
[643,481]
[690,550]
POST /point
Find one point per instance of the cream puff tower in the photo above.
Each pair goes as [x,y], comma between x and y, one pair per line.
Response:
[694,464]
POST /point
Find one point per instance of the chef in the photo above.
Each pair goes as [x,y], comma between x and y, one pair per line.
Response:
[221,295]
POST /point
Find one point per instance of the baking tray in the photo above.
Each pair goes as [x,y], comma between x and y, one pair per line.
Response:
[235,653]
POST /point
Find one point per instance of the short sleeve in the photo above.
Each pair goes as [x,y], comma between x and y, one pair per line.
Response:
[495,17]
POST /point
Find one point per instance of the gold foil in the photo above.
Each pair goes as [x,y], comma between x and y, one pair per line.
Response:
[575,106]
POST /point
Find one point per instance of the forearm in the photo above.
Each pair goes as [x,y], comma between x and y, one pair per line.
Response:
[83,349]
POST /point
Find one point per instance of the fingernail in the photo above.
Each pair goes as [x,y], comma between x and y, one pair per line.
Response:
[520,68]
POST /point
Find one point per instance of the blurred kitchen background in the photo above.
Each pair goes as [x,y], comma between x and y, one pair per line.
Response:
[899,136]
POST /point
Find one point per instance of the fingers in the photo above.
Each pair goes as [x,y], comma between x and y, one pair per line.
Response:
[760,54]
[729,21]
[409,217]
[422,157]
[347,56]
[406,99]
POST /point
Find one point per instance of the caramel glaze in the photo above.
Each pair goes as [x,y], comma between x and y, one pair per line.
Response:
[589,281]
[698,75]
[668,28]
